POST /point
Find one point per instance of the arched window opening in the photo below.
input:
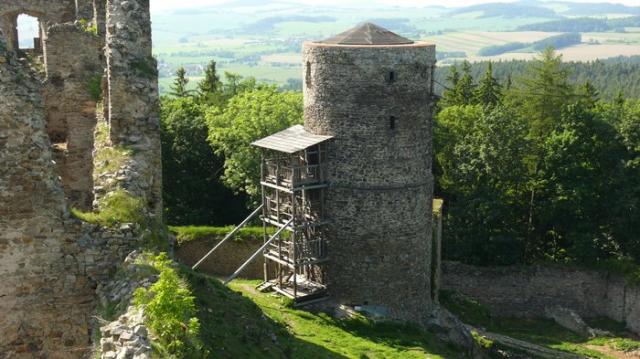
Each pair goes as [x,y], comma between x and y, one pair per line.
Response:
[28,32]
[392,123]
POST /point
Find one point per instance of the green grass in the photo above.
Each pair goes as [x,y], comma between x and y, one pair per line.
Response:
[118,207]
[107,158]
[238,322]
[540,331]
[190,233]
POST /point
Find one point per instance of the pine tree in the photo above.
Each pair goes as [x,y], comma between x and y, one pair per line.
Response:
[545,93]
[211,84]
[450,97]
[509,83]
[620,99]
[590,95]
[465,87]
[489,91]
[179,87]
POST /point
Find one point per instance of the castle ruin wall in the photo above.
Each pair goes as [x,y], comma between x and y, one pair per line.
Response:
[72,62]
[522,291]
[50,262]
[44,298]
[133,107]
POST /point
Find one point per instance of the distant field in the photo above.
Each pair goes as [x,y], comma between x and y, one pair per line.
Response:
[471,42]
[630,38]
[263,73]
[264,40]
[290,58]
[594,46]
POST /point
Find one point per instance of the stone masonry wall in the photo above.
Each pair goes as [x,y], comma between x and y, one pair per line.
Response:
[72,62]
[226,259]
[51,263]
[44,299]
[84,9]
[100,16]
[529,291]
[381,188]
[134,117]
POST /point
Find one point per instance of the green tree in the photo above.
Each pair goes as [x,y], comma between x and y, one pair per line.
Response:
[193,190]
[249,116]
[581,170]
[627,209]
[465,88]
[236,84]
[484,182]
[210,88]
[489,91]
[179,87]
[589,95]
[450,96]
[544,93]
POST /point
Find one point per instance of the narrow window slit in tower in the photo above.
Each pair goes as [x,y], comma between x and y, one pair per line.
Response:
[391,77]
[308,75]
[392,123]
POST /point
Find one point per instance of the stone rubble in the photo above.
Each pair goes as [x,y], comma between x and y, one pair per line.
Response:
[127,336]
[571,320]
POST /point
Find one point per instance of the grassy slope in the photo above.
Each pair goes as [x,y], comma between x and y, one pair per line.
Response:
[190,233]
[238,322]
[542,331]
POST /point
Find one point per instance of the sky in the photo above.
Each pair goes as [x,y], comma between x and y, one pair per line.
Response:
[159,5]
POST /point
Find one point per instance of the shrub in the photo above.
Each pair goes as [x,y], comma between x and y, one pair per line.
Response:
[89,27]
[171,311]
[95,87]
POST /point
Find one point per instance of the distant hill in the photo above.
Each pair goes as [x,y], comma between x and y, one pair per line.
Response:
[507,10]
[558,41]
[608,76]
[598,9]
[584,24]
[268,24]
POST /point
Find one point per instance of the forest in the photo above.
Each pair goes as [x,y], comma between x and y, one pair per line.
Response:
[583,24]
[538,167]
[612,77]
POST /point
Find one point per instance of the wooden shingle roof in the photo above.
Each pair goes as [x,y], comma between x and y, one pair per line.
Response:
[291,140]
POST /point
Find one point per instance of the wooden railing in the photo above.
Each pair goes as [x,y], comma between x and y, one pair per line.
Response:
[292,176]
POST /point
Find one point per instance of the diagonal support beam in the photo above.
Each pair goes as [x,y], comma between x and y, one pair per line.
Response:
[229,235]
[275,235]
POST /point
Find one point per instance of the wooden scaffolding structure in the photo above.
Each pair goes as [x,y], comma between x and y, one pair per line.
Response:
[293,183]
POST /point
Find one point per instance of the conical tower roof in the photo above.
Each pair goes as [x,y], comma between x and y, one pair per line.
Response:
[367,34]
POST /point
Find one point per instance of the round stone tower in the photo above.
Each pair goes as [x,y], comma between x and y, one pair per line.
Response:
[372,90]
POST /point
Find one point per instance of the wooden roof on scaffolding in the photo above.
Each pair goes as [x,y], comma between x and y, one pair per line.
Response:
[291,140]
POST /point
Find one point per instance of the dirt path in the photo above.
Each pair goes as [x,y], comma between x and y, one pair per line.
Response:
[607,350]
